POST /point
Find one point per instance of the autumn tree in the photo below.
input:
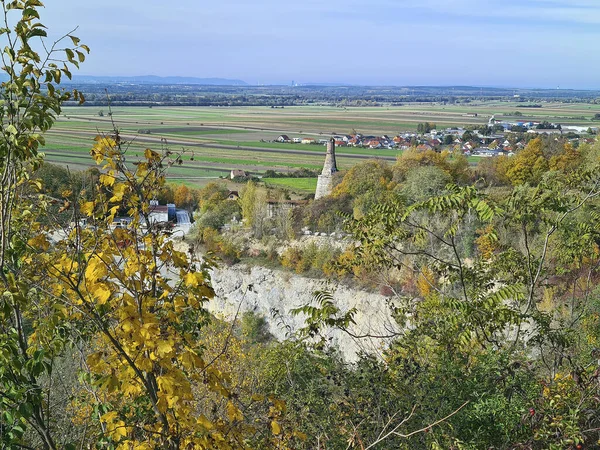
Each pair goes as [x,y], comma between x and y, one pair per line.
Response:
[373,175]
[30,102]
[456,166]
[183,197]
[569,159]
[528,165]
[138,304]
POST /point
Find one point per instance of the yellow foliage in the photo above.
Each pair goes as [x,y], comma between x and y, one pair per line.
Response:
[425,281]
[486,243]
[529,165]
[567,160]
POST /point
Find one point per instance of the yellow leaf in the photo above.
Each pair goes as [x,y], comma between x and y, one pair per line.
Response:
[39,242]
[275,427]
[193,279]
[87,208]
[93,360]
[118,192]
[150,155]
[166,384]
[191,360]
[163,348]
[101,293]
[204,422]
[95,270]
[278,404]
[233,413]
[117,430]
[300,435]
[107,180]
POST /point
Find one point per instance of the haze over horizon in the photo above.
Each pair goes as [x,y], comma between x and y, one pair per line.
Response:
[532,43]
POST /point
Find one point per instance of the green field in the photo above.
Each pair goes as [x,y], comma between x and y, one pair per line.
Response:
[296,184]
[217,140]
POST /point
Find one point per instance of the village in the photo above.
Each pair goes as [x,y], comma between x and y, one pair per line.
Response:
[494,139]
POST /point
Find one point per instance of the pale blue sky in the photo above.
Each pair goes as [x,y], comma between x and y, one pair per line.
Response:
[521,43]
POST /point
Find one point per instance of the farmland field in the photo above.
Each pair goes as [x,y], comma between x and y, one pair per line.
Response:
[297,184]
[219,139]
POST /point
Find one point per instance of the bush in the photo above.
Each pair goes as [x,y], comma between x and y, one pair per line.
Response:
[255,328]
[291,257]
[221,246]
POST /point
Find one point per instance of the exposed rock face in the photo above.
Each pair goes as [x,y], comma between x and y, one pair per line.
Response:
[273,294]
[325,181]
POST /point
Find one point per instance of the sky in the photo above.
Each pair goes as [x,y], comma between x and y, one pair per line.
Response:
[506,43]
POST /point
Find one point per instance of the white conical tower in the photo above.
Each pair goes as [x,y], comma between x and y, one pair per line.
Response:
[325,181]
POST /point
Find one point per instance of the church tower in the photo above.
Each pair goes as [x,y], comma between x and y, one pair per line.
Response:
[325,181]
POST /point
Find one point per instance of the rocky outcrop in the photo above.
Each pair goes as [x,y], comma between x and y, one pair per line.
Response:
[274,293]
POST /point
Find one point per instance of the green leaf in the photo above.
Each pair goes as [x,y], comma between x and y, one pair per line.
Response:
[30,13]
[37,32]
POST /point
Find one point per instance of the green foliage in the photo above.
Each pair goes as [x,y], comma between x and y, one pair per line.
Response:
[253,203]
[456,166]
[425,182]
[30,101]
[217,216]
[425,127]
[312,259]
[255,328]
[368,176]
[326,214]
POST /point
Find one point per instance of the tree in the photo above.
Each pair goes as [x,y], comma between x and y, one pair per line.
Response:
[253,203]
[123,297]
[138,304]
[425,127]
[372,175]
[425,182]
[529,165]
[211,195]
[566,161]
[31,101]
[513,304]
[184,197]
[455,166]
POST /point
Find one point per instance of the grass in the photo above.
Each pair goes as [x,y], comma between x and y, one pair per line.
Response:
[203,129]
[299,184]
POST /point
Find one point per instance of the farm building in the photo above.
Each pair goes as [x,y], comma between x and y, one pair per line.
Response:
[308,140]
[236,173]
[284,138]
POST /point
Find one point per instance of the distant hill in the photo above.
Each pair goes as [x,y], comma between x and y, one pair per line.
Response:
[152,79]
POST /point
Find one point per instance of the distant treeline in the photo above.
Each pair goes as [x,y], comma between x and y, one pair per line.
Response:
[341,96]
[300,173]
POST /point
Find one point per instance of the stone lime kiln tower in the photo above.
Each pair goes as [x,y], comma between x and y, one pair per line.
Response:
[324,184]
